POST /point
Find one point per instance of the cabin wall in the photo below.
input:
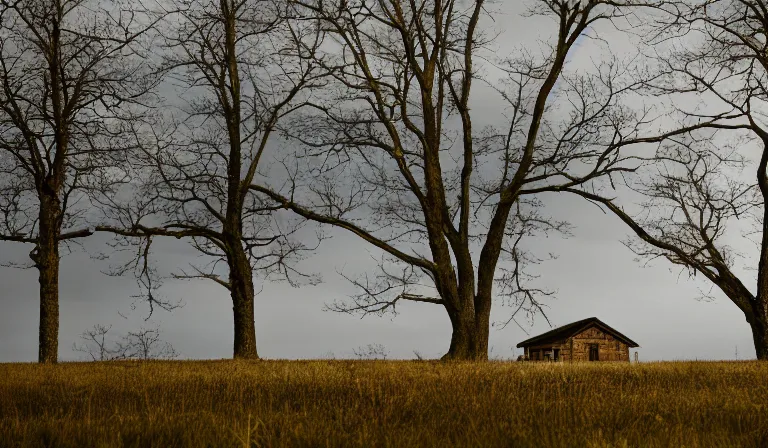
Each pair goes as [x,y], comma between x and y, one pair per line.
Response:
[609,348]
[541,348]
[577,347]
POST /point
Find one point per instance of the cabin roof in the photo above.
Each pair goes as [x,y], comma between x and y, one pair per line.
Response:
[573,329]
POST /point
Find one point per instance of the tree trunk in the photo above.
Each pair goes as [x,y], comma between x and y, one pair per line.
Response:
[482,327]
[469,340]
[760,336]
[759,326]
[46,258]
[241,287]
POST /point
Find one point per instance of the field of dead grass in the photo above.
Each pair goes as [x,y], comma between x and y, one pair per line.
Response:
[384,403]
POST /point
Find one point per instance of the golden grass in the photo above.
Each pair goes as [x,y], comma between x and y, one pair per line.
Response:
[384,403]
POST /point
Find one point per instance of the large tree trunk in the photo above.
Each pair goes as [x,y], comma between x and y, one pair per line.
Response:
[482,327]
[759,326]
[758,318]
[241,287]
[469,340]
[46,258]
[760,336]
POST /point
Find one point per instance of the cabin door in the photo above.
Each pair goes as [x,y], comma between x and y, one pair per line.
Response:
[594,353]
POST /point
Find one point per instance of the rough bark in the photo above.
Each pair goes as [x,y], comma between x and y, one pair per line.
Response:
[46,258]
[463,345]
[759,326]
[469,339]
[482,326]
[242,292]
[757,316]
[470,332]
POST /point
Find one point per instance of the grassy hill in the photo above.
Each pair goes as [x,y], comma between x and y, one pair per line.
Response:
[384,403]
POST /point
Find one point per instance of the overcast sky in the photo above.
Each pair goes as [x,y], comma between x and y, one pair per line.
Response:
[594,275]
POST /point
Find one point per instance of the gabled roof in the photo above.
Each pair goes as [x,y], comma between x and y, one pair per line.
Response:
[572,329]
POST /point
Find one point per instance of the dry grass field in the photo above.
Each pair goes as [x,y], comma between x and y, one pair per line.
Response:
[384,403]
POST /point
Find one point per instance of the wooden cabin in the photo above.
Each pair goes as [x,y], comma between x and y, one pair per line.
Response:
[586,340]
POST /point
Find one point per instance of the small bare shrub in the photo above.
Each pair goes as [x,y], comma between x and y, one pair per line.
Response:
[142,344]
[371,351]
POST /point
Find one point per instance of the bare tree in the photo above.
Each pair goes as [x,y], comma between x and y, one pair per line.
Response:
[393,156]
[95,343]
[70,74]
[698,191]
[143,344]
[233,70]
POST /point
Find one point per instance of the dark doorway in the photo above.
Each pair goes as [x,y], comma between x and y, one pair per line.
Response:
[556,354]
[594,353]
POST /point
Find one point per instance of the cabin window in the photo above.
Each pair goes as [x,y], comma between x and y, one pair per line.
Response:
[594,352]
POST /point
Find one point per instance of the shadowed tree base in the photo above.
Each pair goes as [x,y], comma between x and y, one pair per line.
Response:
[48,348]
[760,337]
[469,340]
[245,341]
[245,331]
[241,289]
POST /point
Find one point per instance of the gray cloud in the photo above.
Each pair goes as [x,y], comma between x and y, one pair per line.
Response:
[595,275]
